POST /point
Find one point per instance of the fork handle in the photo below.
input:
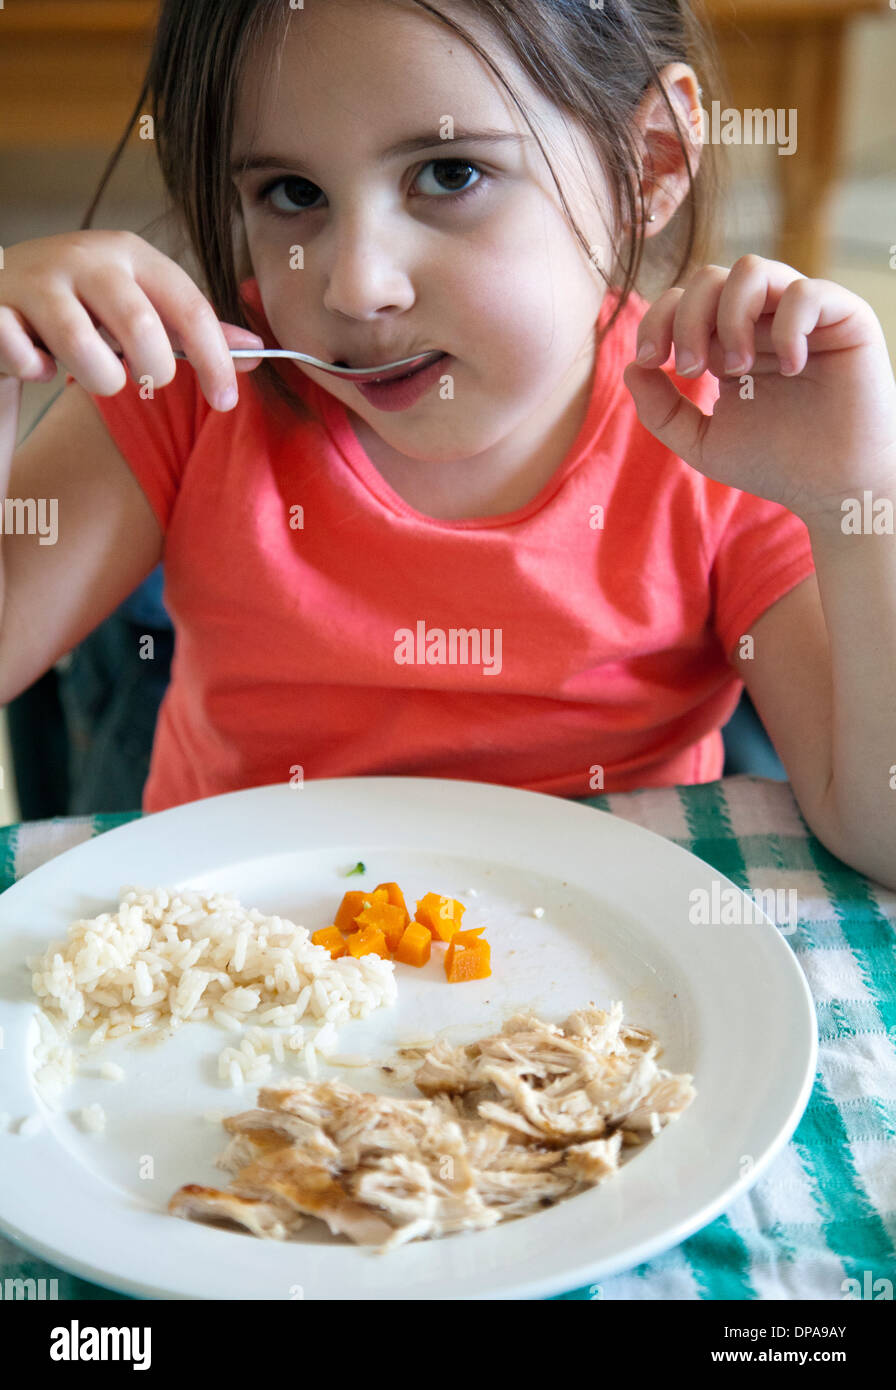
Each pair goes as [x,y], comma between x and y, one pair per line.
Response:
[250,352]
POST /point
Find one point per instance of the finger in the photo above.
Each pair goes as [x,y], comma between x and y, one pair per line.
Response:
[18,355]
[145,346]
[666,413]
[238,337]
[734,298]
[68,332]
[807,306]
[187,313]
[764,362]
[754,287]
[654,338]
[694,319]
[128,316]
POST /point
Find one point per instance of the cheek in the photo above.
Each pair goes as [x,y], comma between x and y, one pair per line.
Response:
[501,298]
[525,323]
[527,277]
[287,300]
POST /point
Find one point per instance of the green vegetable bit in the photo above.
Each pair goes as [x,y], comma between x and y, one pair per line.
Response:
[360,868]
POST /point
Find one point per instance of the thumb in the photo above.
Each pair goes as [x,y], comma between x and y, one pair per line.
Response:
[237,337]
[662,409]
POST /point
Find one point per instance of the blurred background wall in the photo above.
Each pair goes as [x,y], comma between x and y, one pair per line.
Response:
[70,71]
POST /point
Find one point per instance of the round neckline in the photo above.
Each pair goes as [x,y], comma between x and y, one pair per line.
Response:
[600,403]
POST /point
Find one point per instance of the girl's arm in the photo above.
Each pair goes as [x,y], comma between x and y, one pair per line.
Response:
[857,580]
[828,702]
[806,417]
[100,535]
[78,534]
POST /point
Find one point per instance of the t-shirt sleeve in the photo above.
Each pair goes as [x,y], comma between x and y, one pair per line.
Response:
[763,552]
[156,434]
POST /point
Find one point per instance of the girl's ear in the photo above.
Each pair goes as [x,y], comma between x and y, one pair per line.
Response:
[664,175]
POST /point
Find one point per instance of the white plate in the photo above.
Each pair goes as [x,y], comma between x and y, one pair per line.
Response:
[729,1003]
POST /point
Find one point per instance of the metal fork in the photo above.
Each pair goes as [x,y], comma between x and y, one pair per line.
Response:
[383,373]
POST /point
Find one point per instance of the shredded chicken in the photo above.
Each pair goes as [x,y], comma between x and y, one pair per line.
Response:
[507,1125]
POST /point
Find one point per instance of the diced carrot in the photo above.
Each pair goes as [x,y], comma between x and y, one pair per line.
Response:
[415,946]
[391,921]
[466,937]
[332,938]
[353,903]
[471,962]
[395,897]
[441,915]
[367,941]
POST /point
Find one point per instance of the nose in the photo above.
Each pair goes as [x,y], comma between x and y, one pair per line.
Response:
[367,274]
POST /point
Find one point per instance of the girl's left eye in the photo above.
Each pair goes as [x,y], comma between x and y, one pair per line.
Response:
[293,189]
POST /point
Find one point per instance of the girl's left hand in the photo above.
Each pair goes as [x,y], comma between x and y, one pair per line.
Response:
[816,423]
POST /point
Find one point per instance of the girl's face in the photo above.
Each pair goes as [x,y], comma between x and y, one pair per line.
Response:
[458,244]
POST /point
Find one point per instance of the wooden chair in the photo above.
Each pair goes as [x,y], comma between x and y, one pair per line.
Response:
[785,54]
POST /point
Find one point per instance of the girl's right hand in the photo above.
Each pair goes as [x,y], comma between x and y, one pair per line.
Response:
[60,291]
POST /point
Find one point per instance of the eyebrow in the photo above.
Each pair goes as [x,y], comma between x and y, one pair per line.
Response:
[407,146]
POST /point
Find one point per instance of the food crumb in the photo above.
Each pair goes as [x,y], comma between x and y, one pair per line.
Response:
[538,912]
[93,1118]
[31,1124]
[111,1071]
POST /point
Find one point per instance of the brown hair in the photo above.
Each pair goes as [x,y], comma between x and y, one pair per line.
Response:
[594,63]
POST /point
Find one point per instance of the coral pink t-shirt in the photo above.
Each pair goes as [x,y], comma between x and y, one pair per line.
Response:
[323,624]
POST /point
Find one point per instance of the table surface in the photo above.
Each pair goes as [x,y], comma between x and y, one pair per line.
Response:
[824,1212]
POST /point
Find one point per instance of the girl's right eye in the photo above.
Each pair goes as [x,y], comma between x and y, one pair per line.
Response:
[294,190]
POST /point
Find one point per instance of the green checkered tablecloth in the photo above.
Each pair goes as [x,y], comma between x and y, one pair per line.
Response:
[825,1210]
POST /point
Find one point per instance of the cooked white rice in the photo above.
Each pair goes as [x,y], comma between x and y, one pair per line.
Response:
[166,957]
[93,1118]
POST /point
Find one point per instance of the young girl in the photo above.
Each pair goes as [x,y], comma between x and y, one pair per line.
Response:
[537,563]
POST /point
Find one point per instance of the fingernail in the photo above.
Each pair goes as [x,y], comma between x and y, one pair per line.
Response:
[647,351]
[227,398]
[734,362]
[685,363]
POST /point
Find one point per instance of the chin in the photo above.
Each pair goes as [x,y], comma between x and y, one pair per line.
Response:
[452,450]
[426,453]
